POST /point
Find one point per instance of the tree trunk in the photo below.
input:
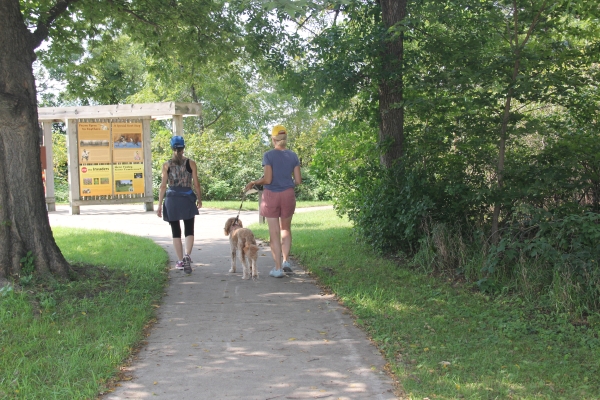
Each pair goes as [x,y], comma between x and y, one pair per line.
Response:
[391,110]
[517,48]
[24,224]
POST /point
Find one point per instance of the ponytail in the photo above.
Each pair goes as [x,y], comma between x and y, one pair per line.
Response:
[178,156]
[281,140]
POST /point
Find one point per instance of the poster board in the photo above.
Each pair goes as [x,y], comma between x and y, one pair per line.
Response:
[127,142]
[95,180]
[93,142]
[111,159]
[129,178]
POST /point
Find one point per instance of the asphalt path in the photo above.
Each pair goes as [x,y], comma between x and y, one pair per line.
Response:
[220,337]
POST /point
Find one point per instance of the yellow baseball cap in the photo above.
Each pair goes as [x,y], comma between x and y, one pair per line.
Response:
[278,130]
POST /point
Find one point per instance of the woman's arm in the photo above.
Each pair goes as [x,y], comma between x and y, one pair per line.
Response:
[162,190]
[297,175]
[266,179]
[196,183]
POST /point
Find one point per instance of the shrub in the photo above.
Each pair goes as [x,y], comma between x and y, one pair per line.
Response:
[563,254]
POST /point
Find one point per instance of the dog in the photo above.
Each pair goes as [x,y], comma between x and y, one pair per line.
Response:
[242,241]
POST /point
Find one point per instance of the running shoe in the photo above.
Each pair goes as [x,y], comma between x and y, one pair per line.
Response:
[179,265]
[276,273]
[187,264]
[287,267]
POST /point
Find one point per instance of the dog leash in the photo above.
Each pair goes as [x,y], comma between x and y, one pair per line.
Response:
[243,198]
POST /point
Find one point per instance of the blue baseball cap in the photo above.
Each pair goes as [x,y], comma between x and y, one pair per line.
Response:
[177,142]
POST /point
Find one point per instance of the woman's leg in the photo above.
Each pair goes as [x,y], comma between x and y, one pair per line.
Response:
[285,225]
[288,207]
[188,226]
[275,241]
[178,248]
[176,231]
[189,244]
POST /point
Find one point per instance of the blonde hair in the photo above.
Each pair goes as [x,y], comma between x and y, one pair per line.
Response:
[280,140]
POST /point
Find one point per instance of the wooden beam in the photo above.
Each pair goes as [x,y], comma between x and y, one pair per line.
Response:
[79,203]
[73,162]
[177,125]
[119,111]
[148,192]
[50,202]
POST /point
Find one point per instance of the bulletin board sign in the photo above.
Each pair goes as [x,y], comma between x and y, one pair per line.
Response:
[129,178]
[111,161]
[94,142]
[95,180]
[127,141]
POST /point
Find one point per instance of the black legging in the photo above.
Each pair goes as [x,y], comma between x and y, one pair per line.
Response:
[188,226]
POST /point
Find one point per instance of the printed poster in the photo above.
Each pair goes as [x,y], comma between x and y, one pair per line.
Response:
[129,178]
[94,142]
[95,180]
[127,142]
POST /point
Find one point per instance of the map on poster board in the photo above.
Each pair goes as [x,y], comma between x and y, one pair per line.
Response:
[93,142]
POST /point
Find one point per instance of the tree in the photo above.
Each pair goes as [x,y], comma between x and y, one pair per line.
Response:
[112,69]
[391,86]
[160,26]
[338,50]
[24,224]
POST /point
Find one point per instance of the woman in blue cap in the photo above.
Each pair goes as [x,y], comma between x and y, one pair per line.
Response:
[180,201]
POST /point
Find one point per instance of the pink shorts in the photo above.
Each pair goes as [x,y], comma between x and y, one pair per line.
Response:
[278,204]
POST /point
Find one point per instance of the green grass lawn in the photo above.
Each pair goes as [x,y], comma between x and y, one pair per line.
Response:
[66,340]
[444,340]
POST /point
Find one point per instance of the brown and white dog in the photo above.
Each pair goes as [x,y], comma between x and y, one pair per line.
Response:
[242,240]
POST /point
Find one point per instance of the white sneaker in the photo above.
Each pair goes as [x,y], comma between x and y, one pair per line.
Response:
[286,266]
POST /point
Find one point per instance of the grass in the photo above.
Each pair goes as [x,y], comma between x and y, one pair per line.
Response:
[66,340]
[442,340]
[445,340]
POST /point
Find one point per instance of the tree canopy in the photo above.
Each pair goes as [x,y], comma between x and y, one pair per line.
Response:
[478,115]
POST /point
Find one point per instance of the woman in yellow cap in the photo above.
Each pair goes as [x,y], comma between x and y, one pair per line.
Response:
[281,175]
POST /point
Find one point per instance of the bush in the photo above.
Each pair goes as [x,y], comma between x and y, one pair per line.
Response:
[61,190]
[559,256]
[218,190]
[312,189]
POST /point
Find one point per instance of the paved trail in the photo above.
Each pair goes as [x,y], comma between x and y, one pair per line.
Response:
[221,337]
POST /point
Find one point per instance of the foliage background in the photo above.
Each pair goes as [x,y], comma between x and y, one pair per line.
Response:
[499,182]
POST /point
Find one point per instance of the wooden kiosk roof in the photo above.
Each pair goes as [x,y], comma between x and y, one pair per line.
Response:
[154,110]
[70,116]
